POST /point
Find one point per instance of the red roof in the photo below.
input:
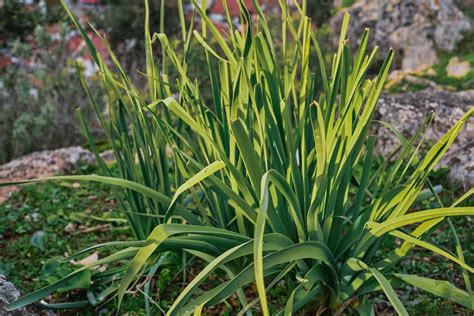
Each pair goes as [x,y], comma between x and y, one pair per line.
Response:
[76,46]
[90,2]
[218,8]
[4,61]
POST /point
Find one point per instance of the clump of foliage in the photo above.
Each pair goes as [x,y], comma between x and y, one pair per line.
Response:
[14,19]
[18,20]
[267,181]
[122,26]
[320,11]
[39,94]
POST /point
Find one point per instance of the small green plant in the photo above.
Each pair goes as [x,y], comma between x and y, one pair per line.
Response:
[267,181]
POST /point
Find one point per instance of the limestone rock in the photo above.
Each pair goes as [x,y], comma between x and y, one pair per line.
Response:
[42,164]
[8,294]
[457,68]
[407,110]
[414,28]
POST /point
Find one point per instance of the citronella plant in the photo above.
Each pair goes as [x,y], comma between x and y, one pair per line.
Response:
[266,180]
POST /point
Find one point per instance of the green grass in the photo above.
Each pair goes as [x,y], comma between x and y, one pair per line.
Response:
[48,208]
[464,54]
[348,3]
[422,262]
[44,211]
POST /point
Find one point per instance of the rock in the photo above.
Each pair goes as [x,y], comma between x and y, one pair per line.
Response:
[108,156]
[42,164]
[70,228]
[457,68]
[414,28]
[431,72]
[407,110]
[8,294]
[411,78]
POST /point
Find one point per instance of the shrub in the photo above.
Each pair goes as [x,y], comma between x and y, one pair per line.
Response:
[38,96]
[320,11]
[19,21]
[268,181]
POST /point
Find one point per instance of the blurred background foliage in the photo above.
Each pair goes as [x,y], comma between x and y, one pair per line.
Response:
[39,93]
[39,86]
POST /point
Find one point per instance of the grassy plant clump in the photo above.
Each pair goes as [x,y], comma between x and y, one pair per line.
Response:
[266,181]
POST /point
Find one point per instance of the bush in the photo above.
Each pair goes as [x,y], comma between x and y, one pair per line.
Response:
[38,96]
[320,11]
[266,182]
[19,21]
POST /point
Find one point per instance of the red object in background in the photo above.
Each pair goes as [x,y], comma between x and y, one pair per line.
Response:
[76,46]
[218,8]
[95,2]
[5,61]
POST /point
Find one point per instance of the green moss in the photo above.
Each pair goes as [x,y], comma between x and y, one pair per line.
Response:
[405,86]
[465,52]
[348,3]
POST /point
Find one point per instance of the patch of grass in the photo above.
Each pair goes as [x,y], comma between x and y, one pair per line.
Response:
[53,219]
[404,86]
[48,220]
[465,52]
[470,13]
[348,3]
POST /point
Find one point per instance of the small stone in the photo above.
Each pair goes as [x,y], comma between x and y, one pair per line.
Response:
[70,228]
[108,156]
[430,72]
[35,216]
[457,68]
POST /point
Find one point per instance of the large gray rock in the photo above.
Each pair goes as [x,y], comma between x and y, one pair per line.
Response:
[407,110]
[8,294]
[42,164]
[414,28]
